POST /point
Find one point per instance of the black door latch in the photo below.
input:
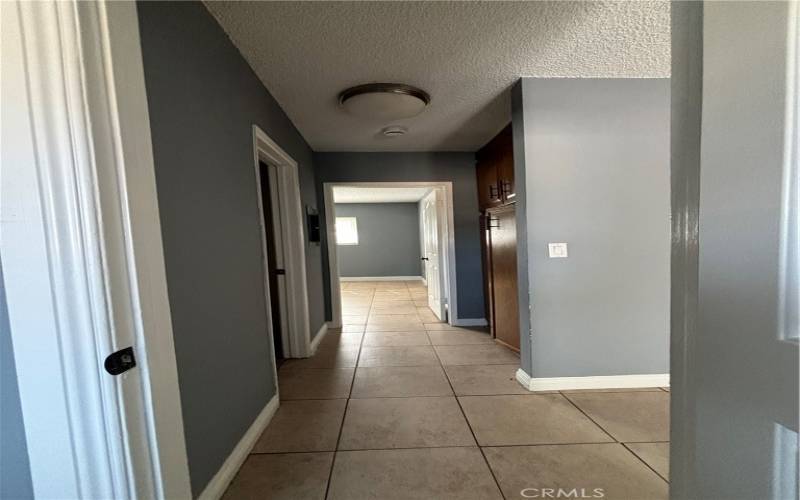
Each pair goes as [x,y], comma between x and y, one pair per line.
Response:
[120,361]
[280,272]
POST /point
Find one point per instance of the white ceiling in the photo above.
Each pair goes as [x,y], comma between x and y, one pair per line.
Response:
[348,194]
[465,54]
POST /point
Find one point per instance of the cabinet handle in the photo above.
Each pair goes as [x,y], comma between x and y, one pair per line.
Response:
[505,187]
[494,193]
[490,220]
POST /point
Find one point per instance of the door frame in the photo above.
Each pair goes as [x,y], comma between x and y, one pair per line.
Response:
[449,236]
[287,215]
[82,251]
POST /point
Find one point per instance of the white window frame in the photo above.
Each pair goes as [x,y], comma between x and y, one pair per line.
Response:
[353,242]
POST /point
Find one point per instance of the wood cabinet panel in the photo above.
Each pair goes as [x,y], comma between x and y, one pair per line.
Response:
[505,165]
[503,264]
[495,171]
[488,187]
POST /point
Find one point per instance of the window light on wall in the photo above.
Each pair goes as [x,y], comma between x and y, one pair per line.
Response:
[346,231]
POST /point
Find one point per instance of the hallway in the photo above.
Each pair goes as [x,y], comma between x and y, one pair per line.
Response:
[400,405]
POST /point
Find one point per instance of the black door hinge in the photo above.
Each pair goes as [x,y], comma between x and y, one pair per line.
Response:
[120,361]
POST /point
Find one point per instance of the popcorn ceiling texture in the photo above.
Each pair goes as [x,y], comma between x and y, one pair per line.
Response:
[465,54]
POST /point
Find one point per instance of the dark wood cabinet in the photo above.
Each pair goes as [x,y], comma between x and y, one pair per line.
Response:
[505,166]
[495,171]
[496,199]
[502,225]
[488,186]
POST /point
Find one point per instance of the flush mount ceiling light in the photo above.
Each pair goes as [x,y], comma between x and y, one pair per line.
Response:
[384,101]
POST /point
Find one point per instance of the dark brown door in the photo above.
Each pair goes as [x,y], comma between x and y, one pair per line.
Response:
[503,262]
[272,268]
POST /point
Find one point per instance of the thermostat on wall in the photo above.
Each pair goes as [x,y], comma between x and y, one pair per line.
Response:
[557,250]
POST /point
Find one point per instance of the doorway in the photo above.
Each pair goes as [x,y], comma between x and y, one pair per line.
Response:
[434,255]
[430,211]
[277,289]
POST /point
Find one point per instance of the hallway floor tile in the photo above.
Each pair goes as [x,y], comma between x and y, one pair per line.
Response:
[425,474]
[396,405]
[400,382]
[609,467]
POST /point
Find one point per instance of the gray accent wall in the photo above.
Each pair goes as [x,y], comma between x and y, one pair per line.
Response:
[388,240]
[596,176]
[203,101]
[15,471]
[458,168]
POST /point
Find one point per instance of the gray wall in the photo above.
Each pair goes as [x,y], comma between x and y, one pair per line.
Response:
[459,168]
[203,100]
[388,240]
[596,161]
[15,472]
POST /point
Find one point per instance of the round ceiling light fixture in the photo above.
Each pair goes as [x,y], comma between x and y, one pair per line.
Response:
[384,101]
[394,131]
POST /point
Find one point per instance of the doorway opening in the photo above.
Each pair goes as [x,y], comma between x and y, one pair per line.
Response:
[397,236]
[276,286]
[283,248]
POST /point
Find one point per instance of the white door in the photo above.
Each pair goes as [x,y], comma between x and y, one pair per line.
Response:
[431,233]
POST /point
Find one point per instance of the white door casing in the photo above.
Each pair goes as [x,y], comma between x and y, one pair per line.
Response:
[448,247]
[83,257]
[292,254]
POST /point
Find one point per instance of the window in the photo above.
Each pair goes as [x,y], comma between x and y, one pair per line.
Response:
[346,231]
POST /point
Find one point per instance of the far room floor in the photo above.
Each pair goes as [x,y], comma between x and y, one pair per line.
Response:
[399,405]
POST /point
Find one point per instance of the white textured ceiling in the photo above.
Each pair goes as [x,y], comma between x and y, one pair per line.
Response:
[465,54]
[347,194]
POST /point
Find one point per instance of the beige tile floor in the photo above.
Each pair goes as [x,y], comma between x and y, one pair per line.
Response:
[398,405]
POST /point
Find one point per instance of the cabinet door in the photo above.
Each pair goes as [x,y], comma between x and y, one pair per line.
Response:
[503,262]
[488,188]
[504,152]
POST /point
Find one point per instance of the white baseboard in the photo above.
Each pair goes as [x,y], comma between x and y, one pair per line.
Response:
[219,483]
[323,330]
[599,382]
[470,322]
[381,278]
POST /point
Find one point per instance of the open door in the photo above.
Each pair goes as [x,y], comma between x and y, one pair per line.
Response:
[432,236]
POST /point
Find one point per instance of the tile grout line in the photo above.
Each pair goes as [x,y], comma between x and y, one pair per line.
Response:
[469,426]
[645,463]
[587,416]
[346,406]
[529,445]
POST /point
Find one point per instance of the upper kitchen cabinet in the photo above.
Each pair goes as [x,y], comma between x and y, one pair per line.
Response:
[495,171]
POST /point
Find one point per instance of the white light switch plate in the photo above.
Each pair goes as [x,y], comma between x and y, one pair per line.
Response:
[557,250]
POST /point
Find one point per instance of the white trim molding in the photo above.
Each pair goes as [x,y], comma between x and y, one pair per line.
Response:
[598,382]
[292,222]
[83,256]
[380,278]
[222,479]
[470,322]
[323,330]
